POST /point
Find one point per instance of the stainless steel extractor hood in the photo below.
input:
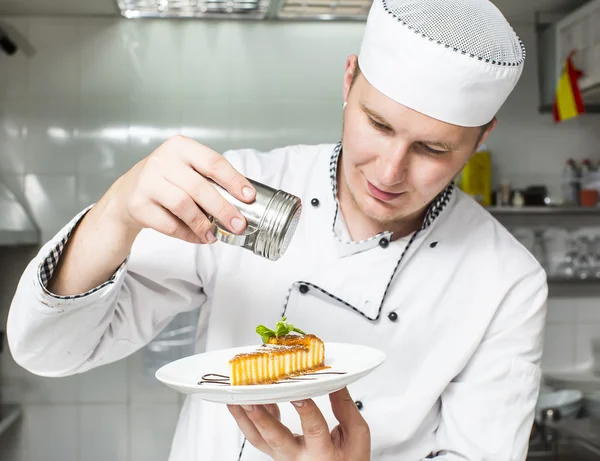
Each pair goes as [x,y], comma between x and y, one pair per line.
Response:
[353,10]
[16,226]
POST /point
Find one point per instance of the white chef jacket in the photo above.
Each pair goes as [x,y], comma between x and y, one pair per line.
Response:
[458,307]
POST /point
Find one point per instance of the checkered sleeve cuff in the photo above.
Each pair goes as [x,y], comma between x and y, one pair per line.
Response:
[50,262]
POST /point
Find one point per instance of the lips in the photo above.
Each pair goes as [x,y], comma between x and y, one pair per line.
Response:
[382,195]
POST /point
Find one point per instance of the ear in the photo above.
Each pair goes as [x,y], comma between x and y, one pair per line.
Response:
[351,66]
[487,132]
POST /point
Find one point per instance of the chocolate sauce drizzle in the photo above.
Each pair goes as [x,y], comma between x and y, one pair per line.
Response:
[215,378]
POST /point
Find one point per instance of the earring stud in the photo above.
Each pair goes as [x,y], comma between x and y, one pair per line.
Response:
[344,105]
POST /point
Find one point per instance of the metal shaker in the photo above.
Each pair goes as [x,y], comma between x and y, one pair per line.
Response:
[271,219]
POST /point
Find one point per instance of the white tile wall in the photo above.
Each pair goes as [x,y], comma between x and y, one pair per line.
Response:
[98,95]
[151,431]
[53,432]
[99,424]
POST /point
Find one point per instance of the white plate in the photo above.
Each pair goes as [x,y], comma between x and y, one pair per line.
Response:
[183,375]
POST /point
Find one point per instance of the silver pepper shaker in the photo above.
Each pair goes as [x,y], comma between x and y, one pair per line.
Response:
[272,219]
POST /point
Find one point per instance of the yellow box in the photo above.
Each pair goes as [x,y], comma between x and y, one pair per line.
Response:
[476,177]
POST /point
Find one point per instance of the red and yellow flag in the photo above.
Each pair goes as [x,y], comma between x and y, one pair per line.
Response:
[568,102]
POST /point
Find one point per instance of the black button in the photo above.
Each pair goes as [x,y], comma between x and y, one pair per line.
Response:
[359,405]
[314,202]
[303,289]
[393,316]
[383,243]
[433,244]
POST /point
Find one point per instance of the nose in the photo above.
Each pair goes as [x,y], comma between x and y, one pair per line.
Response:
[393,165]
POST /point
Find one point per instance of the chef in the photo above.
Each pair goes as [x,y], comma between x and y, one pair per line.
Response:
[388,254]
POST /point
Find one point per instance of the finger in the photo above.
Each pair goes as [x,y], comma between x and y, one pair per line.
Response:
[154,216]
[249,430]
[346,411]
[277,436]
[180,204]
[314,427]
[274,410]
[212,164]
[206,196]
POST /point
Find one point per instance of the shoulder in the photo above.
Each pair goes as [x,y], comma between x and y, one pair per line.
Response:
[490,245]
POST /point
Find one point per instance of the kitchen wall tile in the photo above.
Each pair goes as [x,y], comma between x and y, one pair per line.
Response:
[17,454]
[155,50]
[144,388]
[585,333]
[256,58]
[52,200]
[51,145]
[588,310]
[16,184]
[109,66]
[53,432]
[209,122]
[105,384]
[19,386]
[312,122]
[152,429]
[104,433]
[265,126]
[91,187]
[103,139]
[561,310]
[559,347]
[54,70]
[257,125]
[13,135]
[206,56]
[152,123]
[14,442]
[15,68]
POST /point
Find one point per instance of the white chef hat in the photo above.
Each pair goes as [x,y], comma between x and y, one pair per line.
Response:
[453,60]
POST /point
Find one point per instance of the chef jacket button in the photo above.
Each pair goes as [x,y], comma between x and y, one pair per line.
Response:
[314,202]
[433,244]
[359,405]
[303,289]
[383,243]
[393,316]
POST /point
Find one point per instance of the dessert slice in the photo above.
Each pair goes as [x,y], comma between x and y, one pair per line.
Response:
[282,355]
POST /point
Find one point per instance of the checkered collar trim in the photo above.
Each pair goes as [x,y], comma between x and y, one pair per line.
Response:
[434,211]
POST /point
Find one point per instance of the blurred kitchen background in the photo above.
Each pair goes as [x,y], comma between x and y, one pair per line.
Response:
[90,87]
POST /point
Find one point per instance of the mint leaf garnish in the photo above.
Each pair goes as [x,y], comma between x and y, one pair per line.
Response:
[265,333]
[282,328]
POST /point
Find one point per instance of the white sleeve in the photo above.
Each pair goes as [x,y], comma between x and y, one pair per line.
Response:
[487,411]
[56,336]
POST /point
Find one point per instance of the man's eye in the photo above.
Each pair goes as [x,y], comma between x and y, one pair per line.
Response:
[379,126]
[431,151]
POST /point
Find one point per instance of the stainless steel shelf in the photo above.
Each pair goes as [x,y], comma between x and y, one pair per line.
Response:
[543,210]
[570,218]
[574,281]
[9,415]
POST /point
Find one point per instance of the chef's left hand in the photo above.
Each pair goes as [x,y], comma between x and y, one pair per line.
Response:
[349,441]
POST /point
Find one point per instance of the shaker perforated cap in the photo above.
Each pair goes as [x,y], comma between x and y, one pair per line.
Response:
[454,60]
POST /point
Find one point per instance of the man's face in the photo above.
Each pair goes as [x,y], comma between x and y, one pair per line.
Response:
[395,161]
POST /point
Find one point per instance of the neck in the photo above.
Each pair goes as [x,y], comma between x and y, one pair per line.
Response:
[362,227]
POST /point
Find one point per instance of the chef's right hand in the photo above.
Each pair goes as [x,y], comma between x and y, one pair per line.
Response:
[168,192]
